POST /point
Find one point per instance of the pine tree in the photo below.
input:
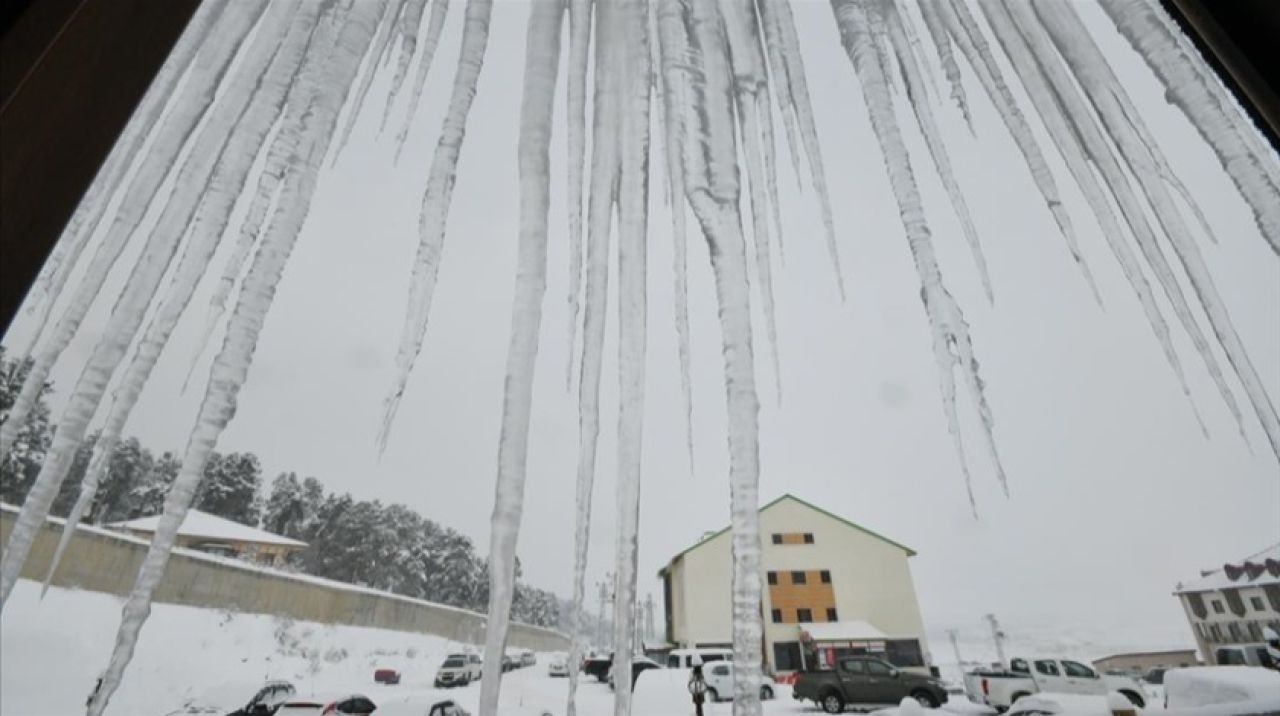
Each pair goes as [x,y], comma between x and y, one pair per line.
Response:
[19,468]
[230,488]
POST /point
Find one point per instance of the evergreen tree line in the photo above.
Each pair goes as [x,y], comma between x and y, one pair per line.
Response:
[388,547]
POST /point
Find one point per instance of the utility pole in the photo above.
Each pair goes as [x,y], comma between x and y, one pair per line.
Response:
[955,646]
[998,637]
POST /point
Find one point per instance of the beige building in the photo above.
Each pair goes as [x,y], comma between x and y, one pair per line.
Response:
[1140,662]
[216,535]
[832,588]
[1229,607]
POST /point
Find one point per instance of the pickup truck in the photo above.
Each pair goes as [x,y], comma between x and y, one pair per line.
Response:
[864,682]
[1001,688]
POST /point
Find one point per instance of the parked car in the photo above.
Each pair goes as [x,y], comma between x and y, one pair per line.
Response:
[866,681]
[1214,685]
[558,665]
[1024,677]
[639,664]
[683,658]
[527,657]
[508,663]
[239,699]
[339,705]
[447,708]
[598,666]
[719,677]
[386,676]
[457,670]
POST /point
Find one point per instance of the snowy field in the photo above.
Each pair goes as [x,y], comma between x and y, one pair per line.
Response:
[52,651]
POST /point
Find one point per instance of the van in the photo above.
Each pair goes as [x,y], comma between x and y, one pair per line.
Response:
[683,658]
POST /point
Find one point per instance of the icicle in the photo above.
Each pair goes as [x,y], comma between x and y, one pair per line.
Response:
[439,10]
[210,63]
[211,218]
[1109,99]
[778,16]
[952,347]
[542,58]
[579,44]
[769,24]
[435,205]
[626,26]
[1069,145]
[381,45]
[712,188]
[84,221]
[192,182]
[1141,24]
[410,21]
[977,52]
[937,29]
[231,366]
[674,67]
[604,171]
[753,118]
[919,101]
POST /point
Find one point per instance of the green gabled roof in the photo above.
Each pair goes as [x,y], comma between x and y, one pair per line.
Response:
[910,552]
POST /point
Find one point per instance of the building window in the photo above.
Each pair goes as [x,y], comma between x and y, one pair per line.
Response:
[786,656]
[777,616]
[808,538]
[1217,606]
[1257,604]
[773,577]
[1234,630]
[777,538]
[798,578]
[1215,633]
[826,576]
[906,652]
[831,614]
[804,616]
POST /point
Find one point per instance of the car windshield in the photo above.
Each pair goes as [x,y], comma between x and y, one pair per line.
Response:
[454,662]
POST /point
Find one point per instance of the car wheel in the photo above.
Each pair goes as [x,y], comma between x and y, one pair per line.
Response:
[1017,696]
[1134,699]
[925,699]
[832,703]
[712,695]
[766,693]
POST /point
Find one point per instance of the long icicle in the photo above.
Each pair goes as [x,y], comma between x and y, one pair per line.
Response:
[542,58]
[626,25]
[778,14]
[1109,99]
[381,45]
[210,221]
[1185,86]
[408,25]
[231,366]
[713,189]
[977,52]
[604,172]
[931,12]
[919,101]
[952,347]
[579,44]
[674,67]
[435,206]
[88,214]
[435,22]
[188,109]
[747,64]
[782,91]
[1074,153]
[1098,147]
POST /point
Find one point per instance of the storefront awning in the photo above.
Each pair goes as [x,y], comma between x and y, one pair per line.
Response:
[843,631]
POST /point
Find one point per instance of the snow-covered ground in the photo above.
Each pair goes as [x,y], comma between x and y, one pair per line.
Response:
[51,652]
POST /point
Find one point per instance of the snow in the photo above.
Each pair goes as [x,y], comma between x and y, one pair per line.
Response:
[825,631]
[207,526]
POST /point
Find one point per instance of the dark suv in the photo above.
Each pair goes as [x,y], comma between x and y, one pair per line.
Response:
[866,681]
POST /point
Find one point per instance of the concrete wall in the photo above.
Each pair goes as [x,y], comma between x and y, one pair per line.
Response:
[104,561]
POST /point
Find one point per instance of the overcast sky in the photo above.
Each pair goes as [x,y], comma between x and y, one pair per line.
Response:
[1115,494]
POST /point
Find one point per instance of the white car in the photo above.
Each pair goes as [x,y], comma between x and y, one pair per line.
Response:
[238,698]
[1213,685]
[683,658]
[458,670]
[1026,677]
[719,678]
[558,665]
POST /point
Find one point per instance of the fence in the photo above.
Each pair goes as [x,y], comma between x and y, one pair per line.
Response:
[104,561]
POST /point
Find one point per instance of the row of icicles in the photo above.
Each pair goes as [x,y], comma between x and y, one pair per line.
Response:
[267,80]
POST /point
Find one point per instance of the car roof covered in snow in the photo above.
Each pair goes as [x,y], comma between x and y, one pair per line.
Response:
[205,525]
[1210,685]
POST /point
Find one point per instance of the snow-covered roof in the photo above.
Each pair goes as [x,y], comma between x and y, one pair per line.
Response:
[1253,571]
[207,526]
[851,630]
